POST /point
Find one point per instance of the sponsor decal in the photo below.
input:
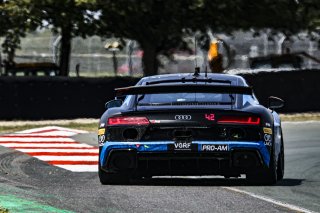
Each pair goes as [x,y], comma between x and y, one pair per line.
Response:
[146,146]
[214,147]
[102,125]
[268,125]
[267,138]
[137,145]
[268,143]
[101,131]
[267,130]
[182,117]
[101,139]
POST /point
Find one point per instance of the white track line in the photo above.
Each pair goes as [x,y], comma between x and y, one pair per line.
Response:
[58,132]
[80,168]
[67,158]
[35,140]
[48,145]
[37,129]
[270,200]
[84,150]
[35,135]
[51,133]
[53,128]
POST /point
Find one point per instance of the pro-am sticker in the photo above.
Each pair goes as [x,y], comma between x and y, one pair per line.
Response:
[214,147]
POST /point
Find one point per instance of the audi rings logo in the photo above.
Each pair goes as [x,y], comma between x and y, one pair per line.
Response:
[182,117]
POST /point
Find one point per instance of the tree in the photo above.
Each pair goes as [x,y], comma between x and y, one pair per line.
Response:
[309,12]
[14,24]
[160,25]
[157,25]
[69,18]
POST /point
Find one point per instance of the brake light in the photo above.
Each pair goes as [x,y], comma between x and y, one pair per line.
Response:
[248,120]
[128,121]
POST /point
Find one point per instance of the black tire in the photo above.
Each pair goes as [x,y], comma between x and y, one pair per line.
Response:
[280,168]
[112,179]
[267,176]
[271,175]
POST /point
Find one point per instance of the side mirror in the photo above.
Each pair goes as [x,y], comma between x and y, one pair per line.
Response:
[113,103]
[275,103]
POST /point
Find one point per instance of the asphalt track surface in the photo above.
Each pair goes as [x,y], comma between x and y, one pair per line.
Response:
[30,185]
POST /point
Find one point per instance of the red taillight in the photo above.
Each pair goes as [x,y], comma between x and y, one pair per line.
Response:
[128,121]
[248,120]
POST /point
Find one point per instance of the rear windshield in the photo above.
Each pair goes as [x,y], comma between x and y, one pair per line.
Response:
[186,99]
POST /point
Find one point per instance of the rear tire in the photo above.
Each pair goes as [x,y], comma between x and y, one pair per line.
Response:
[267,176]
[263,177]
[112,179]
[270,174]
[280,168]
[275,172]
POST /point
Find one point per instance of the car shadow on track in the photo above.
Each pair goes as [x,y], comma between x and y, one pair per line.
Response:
[187,181]
[290,182]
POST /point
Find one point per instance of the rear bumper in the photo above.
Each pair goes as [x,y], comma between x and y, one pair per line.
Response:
[156,158]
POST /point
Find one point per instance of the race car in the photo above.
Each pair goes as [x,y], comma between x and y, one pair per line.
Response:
[190,124]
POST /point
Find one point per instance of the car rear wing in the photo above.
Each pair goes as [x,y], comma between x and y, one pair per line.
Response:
[183,88]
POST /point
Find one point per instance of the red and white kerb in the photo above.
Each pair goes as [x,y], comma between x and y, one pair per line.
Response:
[55,146]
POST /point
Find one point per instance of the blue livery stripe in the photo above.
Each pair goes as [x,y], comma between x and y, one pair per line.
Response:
[156,146]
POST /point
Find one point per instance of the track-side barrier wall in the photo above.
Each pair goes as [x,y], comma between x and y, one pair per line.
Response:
[62,98]
[299,89]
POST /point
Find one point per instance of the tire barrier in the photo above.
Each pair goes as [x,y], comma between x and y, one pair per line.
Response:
[35,98]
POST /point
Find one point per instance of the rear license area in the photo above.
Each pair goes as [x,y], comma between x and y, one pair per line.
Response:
[183,145]
[186,146]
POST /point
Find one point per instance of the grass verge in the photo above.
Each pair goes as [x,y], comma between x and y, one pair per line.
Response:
[300,117]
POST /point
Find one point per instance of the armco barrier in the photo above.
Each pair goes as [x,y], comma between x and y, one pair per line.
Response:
[57,97]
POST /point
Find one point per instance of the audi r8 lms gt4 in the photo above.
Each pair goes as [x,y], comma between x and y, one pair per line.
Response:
[190,124]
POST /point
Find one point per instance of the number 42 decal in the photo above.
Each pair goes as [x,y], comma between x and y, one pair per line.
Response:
[209,117]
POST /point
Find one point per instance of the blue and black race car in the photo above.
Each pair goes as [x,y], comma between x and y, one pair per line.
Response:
[190,124]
